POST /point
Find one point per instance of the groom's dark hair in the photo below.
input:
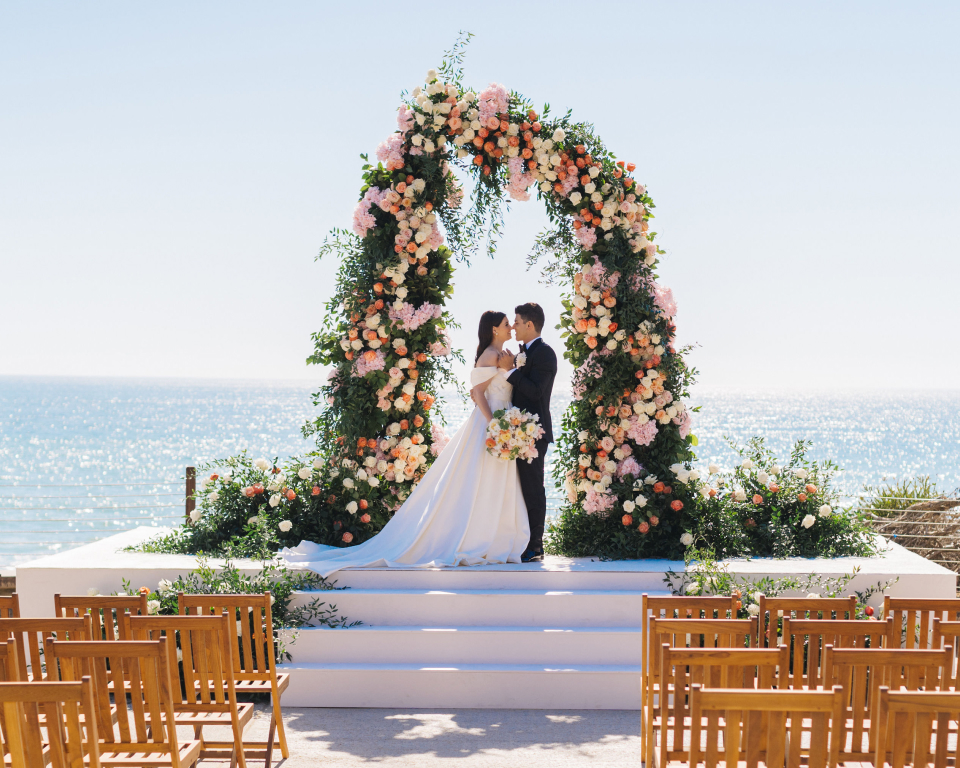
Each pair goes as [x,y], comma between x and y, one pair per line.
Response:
[531,312]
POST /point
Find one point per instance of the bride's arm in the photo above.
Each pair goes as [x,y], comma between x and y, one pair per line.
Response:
[487,359]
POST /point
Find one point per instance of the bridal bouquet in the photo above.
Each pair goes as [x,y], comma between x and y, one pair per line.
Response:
[513,434]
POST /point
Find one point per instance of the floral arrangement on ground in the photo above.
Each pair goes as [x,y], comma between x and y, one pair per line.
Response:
[625,456]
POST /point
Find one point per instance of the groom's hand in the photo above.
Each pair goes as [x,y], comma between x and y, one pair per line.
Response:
[506,361]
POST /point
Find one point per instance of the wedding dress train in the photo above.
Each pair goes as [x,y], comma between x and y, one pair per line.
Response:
[467,510]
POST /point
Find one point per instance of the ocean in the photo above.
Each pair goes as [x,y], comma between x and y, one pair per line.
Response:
[81,459]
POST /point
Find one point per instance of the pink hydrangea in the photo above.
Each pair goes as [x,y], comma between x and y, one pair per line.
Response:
[391,150]
[685,421]
[642,434]
[440,439]
[587,237]
[411,317]
[629,466]
[518,181]
[597,503]
[363,220]
[362,366]
[404,118]
[663,298]
[455,197]
[492,101]
[443,347]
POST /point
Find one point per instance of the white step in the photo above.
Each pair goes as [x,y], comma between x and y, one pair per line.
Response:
[480,686]
[480,607]
[467,645]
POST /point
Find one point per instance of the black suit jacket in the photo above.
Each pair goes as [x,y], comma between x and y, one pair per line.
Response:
[533,384]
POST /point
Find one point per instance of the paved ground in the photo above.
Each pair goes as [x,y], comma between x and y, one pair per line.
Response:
[342,738]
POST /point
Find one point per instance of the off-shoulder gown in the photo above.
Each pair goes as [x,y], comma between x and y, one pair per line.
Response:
[467,510]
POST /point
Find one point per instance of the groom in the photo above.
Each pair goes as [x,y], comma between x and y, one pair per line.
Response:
[532,373]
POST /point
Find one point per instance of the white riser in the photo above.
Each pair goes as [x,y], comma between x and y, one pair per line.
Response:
[474,686]
[467,645]
[645,577]
[508,608]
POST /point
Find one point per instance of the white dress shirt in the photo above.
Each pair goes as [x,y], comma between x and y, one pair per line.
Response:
[529,344]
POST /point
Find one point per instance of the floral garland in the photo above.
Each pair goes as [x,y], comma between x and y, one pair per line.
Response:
[387,337]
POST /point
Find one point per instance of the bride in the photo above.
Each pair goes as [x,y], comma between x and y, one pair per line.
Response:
[467,510]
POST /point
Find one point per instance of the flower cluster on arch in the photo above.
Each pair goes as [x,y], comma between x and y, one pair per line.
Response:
[387,338]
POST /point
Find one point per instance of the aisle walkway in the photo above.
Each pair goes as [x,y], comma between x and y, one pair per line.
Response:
[471,738]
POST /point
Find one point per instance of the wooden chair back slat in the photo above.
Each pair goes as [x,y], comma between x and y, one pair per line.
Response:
[10,606]
[106,611]
[254,658]
[862,672]
[31,634]
[9,665]
[774,609]
[680,669]
[913,618]
[70,725]
[743,737]
[947,633]
[906,720]
[807,639]
[145,714]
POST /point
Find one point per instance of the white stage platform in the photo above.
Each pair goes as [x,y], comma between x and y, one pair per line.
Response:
[562,634]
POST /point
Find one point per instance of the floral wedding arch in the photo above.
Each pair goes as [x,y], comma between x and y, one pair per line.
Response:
[386,331]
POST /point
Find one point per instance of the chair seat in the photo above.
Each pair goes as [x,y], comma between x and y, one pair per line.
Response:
[189,753]
[183,717]
[263,686]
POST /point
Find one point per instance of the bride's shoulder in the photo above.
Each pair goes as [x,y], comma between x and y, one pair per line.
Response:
[488,359]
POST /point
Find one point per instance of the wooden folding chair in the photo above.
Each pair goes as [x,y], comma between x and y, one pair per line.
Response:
[743,668]
[204,694]
[9,666]
[920,726]
[745,735]
[672,607]
[254,657]
[684,633]
[947,633]
[861,673]
[10,607]
[807,639]
[106,611]
[146,732]
[773,609]
[69,711]
[913,618]
[31,634]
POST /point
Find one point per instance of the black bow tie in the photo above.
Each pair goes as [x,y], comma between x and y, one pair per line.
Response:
[523,347]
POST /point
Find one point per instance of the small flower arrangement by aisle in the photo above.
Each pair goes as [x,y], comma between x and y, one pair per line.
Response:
[513,434]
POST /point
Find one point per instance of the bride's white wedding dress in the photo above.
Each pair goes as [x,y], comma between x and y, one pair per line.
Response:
[467,510]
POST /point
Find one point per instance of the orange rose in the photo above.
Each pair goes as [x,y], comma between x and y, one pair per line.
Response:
[591,342]
[347,537]
[627,520]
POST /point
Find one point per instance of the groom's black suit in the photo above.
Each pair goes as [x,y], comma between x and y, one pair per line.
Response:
[532,386]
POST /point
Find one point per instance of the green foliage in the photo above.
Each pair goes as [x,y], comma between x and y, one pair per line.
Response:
[891,497]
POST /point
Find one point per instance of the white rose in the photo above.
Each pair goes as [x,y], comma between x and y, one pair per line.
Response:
[686,539]
[401,292]
[262,464]
[304,472]
[800,472]
[285,525]
[713,469]
[195,515]
[590,188]
[739,495]
[348,482]
[694,474]
[164,585]
[808,521]
[641,501]
[251,520]
[747,464]
[763,478]
[275,500]
[825,510]
[753,609]
[352,507]
[757,596]
[629,506]
[776,469]
[374,482]
[612,344]
[813,596]
[153,606]
[318,463]
[692,588]
[213,498]
[559,135]
[575,198]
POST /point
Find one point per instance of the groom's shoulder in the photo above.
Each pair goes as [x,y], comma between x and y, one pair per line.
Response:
[546,350]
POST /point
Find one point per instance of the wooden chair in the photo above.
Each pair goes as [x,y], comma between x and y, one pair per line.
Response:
[921,725]
[913,617]
[744,737]
[683,633]
[773,609]
[10,607]
[254,662]
[106,610]
[672,607]
[9,666]
[206,694]
[146,733]
[807,639]
[861,673]
[67,707]
[947,633]
[741,668]
[31,634]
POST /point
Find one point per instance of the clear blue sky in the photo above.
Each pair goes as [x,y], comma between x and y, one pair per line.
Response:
[168,171]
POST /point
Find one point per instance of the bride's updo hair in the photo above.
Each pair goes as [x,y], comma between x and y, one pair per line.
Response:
[488,321]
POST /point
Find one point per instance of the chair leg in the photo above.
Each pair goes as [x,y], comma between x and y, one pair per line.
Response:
[278,718]
[270,735]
